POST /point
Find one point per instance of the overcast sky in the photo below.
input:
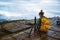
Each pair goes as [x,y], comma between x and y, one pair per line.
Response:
[28,9]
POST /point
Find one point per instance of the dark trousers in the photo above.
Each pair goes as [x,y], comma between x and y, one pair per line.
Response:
[40,32]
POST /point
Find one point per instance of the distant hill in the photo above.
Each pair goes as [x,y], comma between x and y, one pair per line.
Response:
[2,20]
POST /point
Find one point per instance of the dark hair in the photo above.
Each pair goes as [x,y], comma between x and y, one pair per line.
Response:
[41,13]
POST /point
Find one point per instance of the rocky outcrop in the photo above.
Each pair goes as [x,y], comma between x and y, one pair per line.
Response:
[16,26]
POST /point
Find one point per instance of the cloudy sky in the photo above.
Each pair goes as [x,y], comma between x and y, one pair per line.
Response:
[28,9]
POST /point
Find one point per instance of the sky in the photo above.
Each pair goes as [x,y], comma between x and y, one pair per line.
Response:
[28,9]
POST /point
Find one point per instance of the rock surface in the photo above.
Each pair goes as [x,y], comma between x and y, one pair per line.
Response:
[53,33]
[15,26]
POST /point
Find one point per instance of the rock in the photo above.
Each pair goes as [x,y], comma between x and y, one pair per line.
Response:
[54,32]
[15,26]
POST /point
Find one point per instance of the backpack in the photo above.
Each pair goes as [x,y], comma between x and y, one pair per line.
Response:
[45,23]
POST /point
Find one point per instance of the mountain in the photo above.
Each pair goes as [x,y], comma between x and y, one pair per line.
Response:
[2,20]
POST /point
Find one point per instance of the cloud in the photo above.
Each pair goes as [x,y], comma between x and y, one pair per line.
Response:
[5,3]
[9,14]
[3,16]
[29,8]
[5,0]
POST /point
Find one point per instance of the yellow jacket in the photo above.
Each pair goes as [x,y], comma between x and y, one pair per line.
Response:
[44,24]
